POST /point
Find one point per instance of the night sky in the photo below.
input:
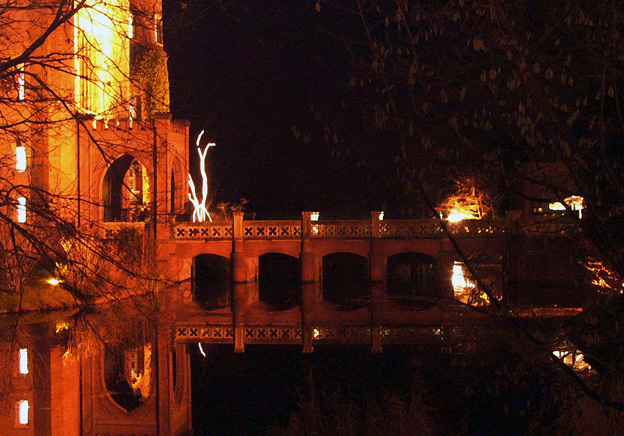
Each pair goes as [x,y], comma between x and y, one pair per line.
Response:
[250,78]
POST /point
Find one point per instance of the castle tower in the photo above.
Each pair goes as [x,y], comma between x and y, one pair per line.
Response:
[88,149]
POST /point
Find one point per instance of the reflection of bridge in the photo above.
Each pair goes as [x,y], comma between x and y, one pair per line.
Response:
[348,281]
[369,282]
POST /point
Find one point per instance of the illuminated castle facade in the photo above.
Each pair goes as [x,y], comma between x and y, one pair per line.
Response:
[86,121]
[87,144]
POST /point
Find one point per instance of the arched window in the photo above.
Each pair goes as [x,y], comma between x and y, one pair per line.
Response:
[126,191]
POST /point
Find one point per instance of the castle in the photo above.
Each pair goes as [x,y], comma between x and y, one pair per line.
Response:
[90,155]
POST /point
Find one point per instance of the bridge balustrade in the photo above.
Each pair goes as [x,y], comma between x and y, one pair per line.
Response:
[362,281]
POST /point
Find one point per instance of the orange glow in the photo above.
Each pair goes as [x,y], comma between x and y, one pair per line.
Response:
[61,326]
[464,289]
[605,279]
[574,202]
[101,61]
[457,216]
[470,201]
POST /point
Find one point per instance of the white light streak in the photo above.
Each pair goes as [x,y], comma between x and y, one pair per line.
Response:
[201,350]
[23,361]
[200,213]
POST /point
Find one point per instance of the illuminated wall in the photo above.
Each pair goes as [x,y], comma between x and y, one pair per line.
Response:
[102,57]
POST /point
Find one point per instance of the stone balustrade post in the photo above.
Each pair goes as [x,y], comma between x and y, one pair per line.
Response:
[309,279]
[377,275]
[239,281]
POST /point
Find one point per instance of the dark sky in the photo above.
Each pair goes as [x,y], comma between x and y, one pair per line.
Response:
[249,77]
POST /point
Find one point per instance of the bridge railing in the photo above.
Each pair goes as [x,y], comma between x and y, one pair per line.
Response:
[364,229]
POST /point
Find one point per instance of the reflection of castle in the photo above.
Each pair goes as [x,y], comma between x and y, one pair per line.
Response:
[103,152]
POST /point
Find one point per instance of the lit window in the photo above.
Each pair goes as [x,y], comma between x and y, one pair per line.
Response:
[574,202]
[131,26]
[20,158]
[158,29]
[21,210]
[23,361]
[21,83]
[22,412]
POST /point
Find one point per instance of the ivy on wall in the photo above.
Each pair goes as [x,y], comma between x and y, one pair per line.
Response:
[148,67]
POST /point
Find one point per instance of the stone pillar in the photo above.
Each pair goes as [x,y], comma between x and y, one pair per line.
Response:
[239,281]
[309,279]
[186,280]
[377,276]
[164,383]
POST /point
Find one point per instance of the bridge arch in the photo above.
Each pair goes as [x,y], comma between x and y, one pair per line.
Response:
[126,190]
[345,279]
[278,280]
[212,277]
[413,274]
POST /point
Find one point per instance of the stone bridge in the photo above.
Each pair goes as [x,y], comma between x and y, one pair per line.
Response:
[314,281]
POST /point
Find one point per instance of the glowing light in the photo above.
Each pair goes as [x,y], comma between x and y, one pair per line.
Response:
[201,349]
[22,411]
[575,202]
[574,359]
[462,287]
[456,216]
[158,29]
[23,361]
[605,279]
[21,209]
[54,281]
[316,333]
[20,158]
[200,213]
[381,216]
[61,326]
[314,216]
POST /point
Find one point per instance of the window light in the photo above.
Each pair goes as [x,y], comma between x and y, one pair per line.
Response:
[158,29]
[20,158]
[22,412]
[21,210]
[23,361]
[131,26]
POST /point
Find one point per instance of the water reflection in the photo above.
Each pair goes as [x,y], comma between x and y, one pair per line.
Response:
[109,372]
[118,372]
